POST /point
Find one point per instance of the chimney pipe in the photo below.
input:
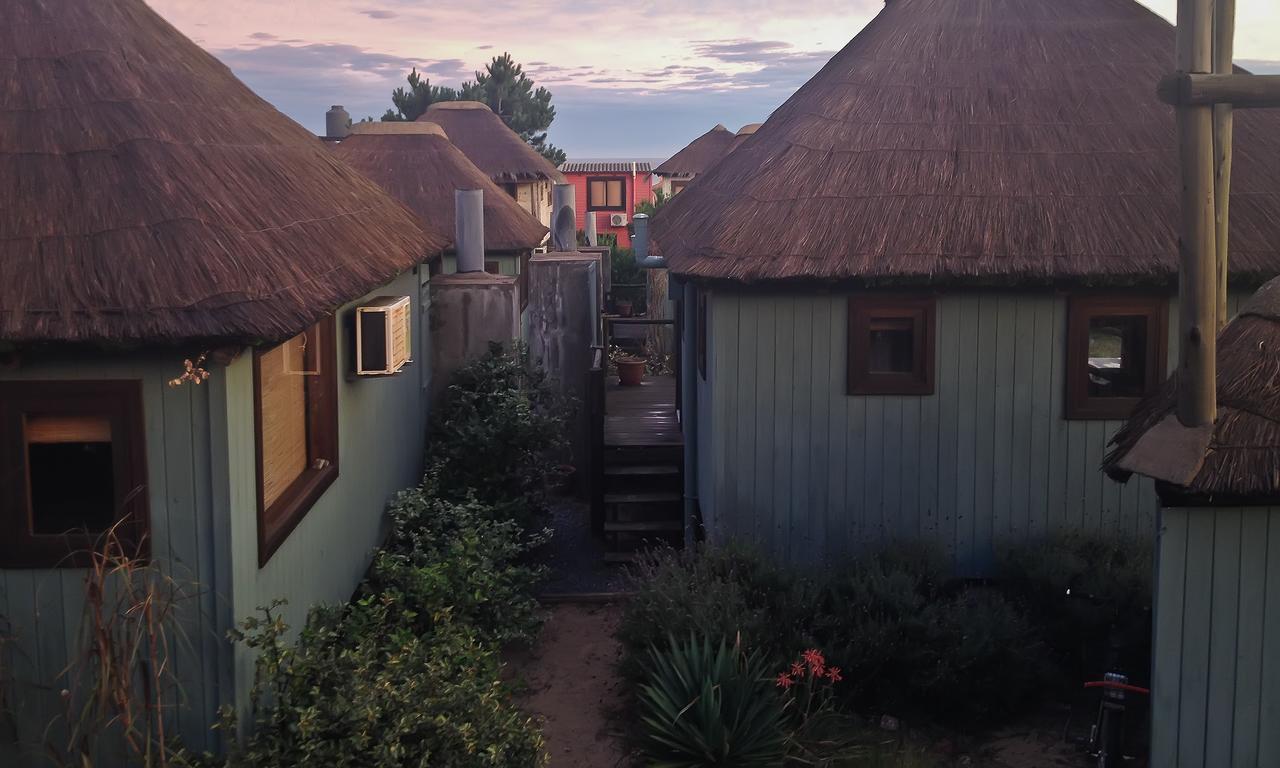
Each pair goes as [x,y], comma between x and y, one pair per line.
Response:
[640,243]
[589,227]
[564,229]
[468,229]
[337,123]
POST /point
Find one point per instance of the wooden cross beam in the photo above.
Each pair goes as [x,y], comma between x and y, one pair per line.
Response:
[1184,89]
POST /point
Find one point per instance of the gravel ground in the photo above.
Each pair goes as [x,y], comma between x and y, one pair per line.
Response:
[575,556]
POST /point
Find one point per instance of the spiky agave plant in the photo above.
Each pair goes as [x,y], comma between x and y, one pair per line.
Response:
[709,705]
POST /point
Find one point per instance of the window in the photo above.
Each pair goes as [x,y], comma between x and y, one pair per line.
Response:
[72,466]
[890,345]
[1115,353]
[677,187]
[296,415]
[606,194]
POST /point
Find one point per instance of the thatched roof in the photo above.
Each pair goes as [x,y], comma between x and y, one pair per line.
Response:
[150,197]
[1239,457]
[742,135]
[988,141]
[489,143]
[418,165]
[700,154]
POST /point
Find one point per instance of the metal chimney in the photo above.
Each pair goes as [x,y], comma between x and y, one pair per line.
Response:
[564,228]
[337,123]
[589,227]
[468,229]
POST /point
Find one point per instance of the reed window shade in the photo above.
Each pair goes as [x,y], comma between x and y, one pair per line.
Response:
[296,420]
[72,472]
[606,194]
[891,340]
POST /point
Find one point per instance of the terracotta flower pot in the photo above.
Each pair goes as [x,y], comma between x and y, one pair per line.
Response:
[631,371]
[624,308]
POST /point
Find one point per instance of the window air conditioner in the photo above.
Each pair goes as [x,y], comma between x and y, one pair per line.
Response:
[383,336]
[617,219]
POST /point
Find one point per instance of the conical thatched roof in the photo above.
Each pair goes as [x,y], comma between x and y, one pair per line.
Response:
[418,165]
[742,135]
[149,196]
[1239,457]
[700,154]
[489,143]
[987,141]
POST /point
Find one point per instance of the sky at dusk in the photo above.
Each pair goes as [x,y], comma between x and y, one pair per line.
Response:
[636,79]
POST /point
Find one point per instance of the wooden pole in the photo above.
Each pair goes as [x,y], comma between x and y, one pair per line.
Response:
[1197,280]
[1224,31]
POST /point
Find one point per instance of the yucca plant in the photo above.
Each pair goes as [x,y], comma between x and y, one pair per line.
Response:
[709,705]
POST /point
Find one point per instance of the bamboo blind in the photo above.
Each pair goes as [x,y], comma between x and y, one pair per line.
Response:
[284,419]
[68,429]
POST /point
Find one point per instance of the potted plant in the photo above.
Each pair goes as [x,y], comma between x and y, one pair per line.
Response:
[624,307]
[630,370]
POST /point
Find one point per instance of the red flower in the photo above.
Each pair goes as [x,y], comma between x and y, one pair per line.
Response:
[797,669]
[813,657]
[785,681]
[833,674]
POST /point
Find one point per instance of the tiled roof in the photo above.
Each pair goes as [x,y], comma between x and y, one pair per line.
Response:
[605,166]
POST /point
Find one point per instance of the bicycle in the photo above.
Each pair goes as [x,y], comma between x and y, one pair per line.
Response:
[1108,736]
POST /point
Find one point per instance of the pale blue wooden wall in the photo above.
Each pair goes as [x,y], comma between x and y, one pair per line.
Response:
[44,608]
[1216,671]
[381,437]
[792,463]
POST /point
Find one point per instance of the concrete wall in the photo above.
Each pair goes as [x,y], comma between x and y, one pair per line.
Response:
[468,311]
[792,462]
[1216,676]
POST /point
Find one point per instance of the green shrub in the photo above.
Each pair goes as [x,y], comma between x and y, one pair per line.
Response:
[454,562]
[705,705]
[1113,577]
[360,688]
[722,592]
[499,435]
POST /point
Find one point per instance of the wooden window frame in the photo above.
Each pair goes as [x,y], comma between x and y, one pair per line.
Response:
[921,310]
[620,179]
[120,401]
[277,521]
[1080,310]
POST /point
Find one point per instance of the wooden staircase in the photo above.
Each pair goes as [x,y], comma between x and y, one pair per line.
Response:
[643,499]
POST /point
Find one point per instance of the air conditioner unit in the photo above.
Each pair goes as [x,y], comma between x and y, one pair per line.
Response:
[383,336]
[617,219]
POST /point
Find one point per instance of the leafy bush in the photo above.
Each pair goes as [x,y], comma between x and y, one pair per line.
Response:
[1111,576]
[705,705]
[361,688]
[723,592]
[454,562]
[500,435]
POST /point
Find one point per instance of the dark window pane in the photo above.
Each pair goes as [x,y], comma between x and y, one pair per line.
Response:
[892,345]
[72,487]
[1117,356]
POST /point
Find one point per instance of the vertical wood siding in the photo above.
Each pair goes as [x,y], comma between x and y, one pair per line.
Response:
[1216,675]
[381,434]
[792,463]
[44,608]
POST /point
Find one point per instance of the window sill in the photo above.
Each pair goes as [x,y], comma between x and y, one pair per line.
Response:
[279,520]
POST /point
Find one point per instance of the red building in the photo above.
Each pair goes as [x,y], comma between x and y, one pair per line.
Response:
[609,191]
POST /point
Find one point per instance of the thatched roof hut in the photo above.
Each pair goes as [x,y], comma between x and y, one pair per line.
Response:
[1239,455]
[152,197]
[744,133]
[699,155]
[489,143]
[418,165]
[988,141]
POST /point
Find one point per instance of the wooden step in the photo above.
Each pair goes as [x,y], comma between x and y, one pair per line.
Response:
[641,498]
[644,526]
[642,469]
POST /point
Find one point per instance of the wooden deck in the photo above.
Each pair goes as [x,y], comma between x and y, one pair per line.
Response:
[643,415]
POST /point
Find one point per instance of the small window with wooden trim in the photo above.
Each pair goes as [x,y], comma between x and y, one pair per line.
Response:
[606,194]
[296,430]
[72,469]
[890,345]
[1115,353]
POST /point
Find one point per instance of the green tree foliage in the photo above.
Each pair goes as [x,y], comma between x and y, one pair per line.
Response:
[502,85]
[650,207]
[410,103]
